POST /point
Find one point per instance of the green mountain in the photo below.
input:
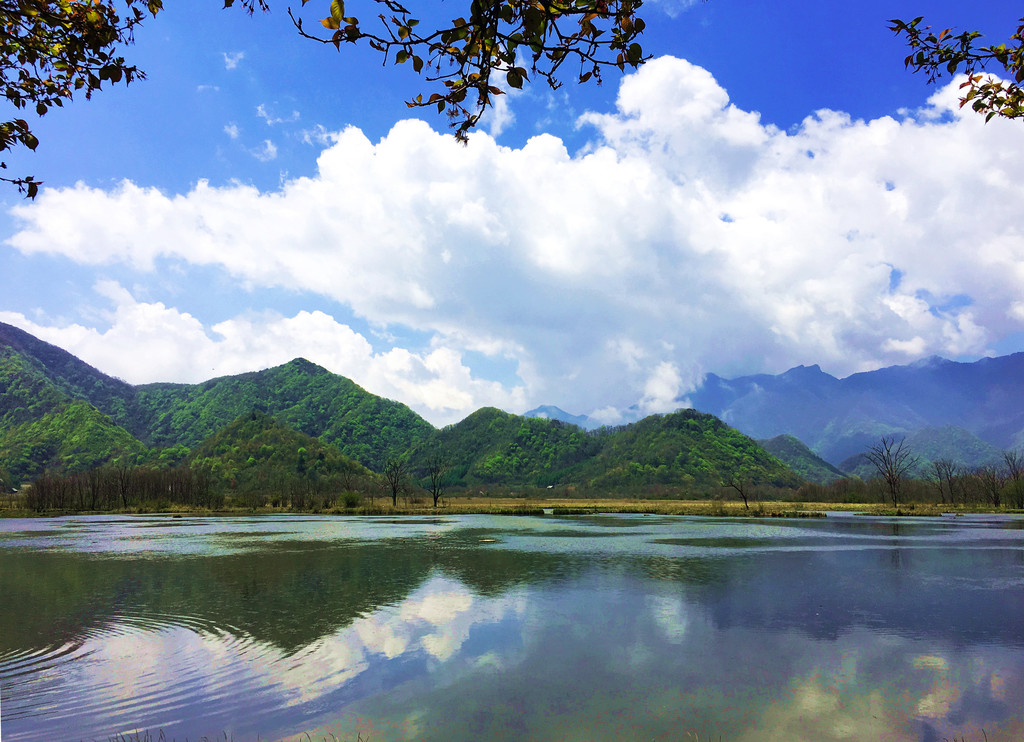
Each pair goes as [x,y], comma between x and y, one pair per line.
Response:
[793,453]
[71,377]
[954,443]
[300,394]
[930,444]
[255,452]
[43,427]
[59,413]
[495,447]
[685,448]
[37,378]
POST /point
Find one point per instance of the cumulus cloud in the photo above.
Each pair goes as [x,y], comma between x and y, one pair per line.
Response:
[148,341]
[232,130]
[688,237]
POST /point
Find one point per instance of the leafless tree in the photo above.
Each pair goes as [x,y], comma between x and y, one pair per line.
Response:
[1015,472]
[947,474]
[743,487]
[396,470]
[892,459]
[992,481]
[437,467]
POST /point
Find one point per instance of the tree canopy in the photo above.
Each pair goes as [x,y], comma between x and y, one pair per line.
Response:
[51,50]
[945,52]
[498,42]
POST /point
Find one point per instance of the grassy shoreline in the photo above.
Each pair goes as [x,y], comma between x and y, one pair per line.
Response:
[559,506]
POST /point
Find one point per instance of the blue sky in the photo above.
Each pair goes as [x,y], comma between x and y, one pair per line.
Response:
[774,188]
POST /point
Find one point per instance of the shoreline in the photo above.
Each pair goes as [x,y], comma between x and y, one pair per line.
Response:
[560,507]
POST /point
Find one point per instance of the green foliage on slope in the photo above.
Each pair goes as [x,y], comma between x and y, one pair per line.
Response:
[300,394]
[793,453]
[67,375]
[42,428]
[495,447]
[69,438]
[257,453]
[686,448]
[953,443]
[48,420]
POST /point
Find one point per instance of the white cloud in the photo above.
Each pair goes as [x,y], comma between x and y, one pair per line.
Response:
[267,152]
[687,237]
[271,119]
[319,135]
[147,342]
[232,130]
[499,116]
[232,59]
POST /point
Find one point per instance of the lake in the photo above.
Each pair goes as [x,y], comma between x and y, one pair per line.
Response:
[512,628]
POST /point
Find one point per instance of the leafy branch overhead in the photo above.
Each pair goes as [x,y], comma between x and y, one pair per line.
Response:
[499,42]
[937,54]
[53,49]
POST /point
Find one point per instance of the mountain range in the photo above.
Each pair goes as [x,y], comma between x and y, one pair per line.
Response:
[965,411]
[59,414]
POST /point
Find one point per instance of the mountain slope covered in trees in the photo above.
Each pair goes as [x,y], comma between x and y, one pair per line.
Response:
[301,423]
[38,378]
[793,453]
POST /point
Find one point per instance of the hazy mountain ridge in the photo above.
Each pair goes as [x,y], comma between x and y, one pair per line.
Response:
[839,418]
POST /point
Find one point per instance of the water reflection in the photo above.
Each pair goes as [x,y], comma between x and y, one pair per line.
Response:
[489,628]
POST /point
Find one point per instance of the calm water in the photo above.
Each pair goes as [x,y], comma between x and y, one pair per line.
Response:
[488,628]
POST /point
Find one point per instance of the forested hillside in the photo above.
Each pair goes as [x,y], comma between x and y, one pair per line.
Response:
[255,454]
[301,394]
[793,453]
[491,446]
[43,428]
[38,379]
[686,448]
[300,428]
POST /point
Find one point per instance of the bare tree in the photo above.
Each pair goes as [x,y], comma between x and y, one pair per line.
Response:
[743,487]
[1015,472]
[437,467]
[992,481]
[396,469]
[947,475]
[893,461]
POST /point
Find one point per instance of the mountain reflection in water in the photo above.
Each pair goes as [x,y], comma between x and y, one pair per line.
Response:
[479,627]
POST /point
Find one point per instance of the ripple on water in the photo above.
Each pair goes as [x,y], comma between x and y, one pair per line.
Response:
[143,670]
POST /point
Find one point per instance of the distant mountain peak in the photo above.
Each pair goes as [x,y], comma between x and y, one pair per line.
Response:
[550,412]
[804,371]
[304,366]
[930,362]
